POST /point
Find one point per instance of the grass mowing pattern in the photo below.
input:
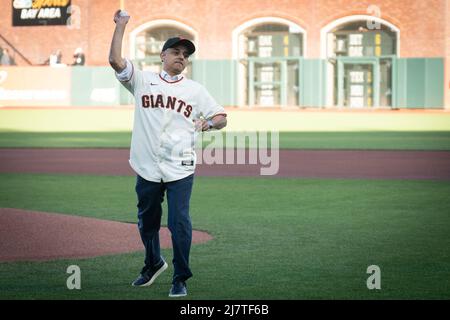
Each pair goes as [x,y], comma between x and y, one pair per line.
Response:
[103,119]
[274,238]
[363,140]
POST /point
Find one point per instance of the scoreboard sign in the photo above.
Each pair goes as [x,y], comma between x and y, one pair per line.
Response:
[40,12]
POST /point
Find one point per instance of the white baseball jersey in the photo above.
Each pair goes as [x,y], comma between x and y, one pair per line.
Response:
[163,138]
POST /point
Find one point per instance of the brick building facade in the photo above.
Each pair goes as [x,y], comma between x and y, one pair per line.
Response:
[421,29]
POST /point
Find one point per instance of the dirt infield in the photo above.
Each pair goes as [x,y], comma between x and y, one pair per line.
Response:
[433,165]
[38,236]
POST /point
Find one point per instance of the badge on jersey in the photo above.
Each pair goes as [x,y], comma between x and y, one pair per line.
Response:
[187,162]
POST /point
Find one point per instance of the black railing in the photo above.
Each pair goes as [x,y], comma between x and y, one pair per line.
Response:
[15,49]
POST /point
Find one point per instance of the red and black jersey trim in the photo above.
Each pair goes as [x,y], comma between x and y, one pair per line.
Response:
[170,81]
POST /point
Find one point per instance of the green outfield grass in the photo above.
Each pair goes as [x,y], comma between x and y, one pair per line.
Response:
[111,128]
[411,140]
[273,238]
[121,119]
[276,239]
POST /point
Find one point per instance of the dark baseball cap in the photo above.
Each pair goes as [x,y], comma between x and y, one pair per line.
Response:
[172,42]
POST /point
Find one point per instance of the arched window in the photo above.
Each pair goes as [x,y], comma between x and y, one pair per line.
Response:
[148,40]
[360,39]
[268,50]
[360,51]
[272,40]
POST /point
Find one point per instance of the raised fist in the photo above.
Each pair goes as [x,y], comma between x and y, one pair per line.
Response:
[121,17]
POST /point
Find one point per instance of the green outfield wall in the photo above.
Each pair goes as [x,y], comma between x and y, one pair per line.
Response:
[416,83]
[419,83]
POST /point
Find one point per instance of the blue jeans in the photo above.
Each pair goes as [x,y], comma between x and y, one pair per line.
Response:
[150,197]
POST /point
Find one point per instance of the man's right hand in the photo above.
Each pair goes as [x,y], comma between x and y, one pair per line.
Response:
[115,52]
[118,19]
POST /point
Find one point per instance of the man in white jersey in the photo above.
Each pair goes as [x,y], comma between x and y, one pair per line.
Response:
[169,110]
